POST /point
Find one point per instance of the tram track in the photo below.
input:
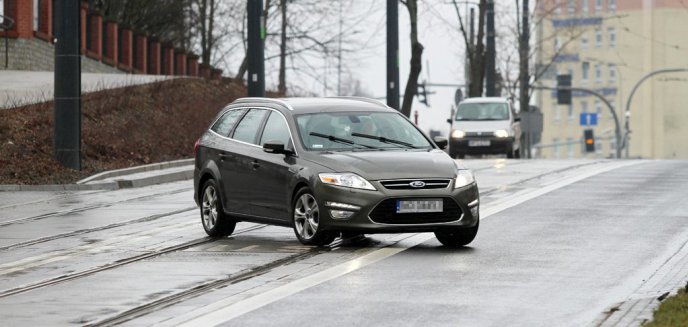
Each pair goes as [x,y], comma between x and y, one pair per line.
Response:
[116,264]
[90,207]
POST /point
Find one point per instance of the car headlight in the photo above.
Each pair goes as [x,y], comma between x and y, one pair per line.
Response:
[501,133]
[346,180]
[463,177]
[457,134]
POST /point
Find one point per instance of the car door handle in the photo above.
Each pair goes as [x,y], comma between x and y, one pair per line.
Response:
[255,165]
[224,156]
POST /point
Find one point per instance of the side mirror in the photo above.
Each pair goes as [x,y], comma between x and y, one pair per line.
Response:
[517,119]
[449,120]
[441,142]
[275,147]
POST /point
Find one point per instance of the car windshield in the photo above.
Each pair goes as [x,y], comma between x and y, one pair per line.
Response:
[340,131]
[482,111]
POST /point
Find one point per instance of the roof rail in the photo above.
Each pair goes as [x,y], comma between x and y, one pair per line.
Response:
[278,101]
[362,99]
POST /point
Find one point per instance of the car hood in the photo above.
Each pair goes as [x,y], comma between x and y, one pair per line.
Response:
[481,125]
[378,165]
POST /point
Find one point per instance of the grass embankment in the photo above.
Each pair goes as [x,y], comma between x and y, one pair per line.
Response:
[673,312]
[120,128]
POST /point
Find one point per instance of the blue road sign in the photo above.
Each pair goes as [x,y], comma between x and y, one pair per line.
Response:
[588,119]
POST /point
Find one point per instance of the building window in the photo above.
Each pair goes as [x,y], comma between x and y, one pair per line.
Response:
[598,38]
[612,73]
[2,9]
[584,42]
[613,104]
[557,148]
[598,73]
[36,14]
[557,7]
[571,7]
[612,147]
[611,34]
[557,113]
[586,7]
[598,109]
[569,148]
[598,5]
[584,106]
[598,146]
[585,72]
[570,114]
[611,5]
[557,44]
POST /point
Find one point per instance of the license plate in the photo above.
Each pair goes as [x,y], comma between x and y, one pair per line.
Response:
[415,206]
[479,143]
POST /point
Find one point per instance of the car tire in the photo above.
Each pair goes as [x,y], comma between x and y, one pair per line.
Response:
[213,217]
[457,237]
[306,220]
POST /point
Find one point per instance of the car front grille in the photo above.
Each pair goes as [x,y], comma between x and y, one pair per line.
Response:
[386,213]
[405,184]
[479,134]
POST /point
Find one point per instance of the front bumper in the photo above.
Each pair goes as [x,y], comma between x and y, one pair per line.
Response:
[460,215]
[497,145]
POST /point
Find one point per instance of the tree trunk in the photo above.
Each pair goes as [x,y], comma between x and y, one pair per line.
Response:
[282,86]
[475,89]
[416,55]
[203,15]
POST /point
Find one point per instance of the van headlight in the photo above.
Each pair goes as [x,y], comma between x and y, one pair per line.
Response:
[457,134]
[463,177]
[346,180]
[501,133]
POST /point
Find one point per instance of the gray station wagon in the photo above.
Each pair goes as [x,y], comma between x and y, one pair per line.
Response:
[328,166]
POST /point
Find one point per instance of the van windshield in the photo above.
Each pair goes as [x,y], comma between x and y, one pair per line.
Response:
[482,111]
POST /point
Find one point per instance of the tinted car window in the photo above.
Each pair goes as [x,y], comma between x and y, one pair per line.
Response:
[369,130]
[226,122]
[275,130]
[247,128]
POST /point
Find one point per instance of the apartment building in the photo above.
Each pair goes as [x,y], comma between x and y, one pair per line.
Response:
[608,46]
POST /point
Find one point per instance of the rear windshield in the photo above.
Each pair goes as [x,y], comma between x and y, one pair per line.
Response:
[482,111]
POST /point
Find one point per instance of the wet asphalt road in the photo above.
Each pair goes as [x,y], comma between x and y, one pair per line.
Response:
[560,242]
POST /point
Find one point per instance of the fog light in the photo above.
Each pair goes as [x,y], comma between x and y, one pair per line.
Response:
[341,214]
[474,212]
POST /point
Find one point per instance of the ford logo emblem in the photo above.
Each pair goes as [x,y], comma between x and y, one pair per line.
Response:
[417,184]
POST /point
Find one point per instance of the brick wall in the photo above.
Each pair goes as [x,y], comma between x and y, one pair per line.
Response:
[38,55]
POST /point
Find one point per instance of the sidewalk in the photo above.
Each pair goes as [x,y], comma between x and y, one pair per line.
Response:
[19,88]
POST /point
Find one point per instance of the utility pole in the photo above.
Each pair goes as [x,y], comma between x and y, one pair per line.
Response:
[255,51]
[393,54]
[339,51]
[524,77]
[471,42]
[490,67]
[67,128]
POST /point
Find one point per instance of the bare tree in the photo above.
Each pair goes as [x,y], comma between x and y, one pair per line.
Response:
[416,56]
[476,52]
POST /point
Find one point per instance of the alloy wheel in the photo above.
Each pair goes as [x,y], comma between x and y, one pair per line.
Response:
[209,207]
[306,216]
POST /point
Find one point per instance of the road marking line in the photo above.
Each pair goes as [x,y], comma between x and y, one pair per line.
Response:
[224,310]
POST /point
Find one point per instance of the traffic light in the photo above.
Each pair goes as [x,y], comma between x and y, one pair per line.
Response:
[589,140]
[422,94]
[563,89]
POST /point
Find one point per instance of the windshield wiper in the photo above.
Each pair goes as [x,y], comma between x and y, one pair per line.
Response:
[340,140]
[384,139]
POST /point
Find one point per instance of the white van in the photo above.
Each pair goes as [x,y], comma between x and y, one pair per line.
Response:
[485,126]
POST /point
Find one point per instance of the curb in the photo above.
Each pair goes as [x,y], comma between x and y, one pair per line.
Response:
[94,185]
[136,170]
